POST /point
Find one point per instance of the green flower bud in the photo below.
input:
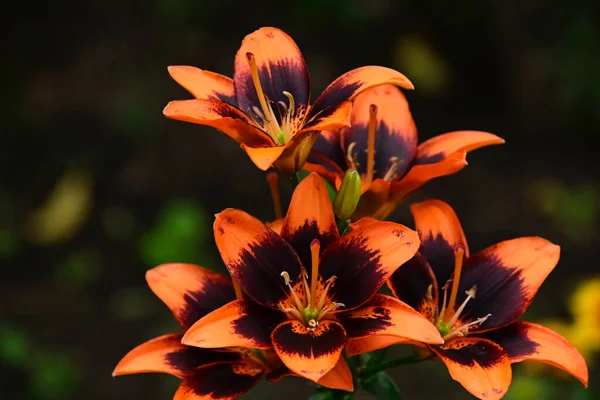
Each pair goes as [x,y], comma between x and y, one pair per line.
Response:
[348,196]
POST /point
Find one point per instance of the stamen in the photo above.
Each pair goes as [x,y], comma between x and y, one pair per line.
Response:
[295,312]
[273,181]
[470,295]
[269,117]
[429,294]
[329,308]
[391,172]
[464,330]
[329,284]
[237,289]
[312,325]
[292,109]
[315,246]
[445,289]
[371,144]
[459,252]
[288,283]
[283,106]
[352,158]
[260,115]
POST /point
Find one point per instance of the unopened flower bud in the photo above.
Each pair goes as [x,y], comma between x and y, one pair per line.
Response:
[348,196]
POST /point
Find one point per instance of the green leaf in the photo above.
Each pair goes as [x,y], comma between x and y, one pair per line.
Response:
[373,359]
[382,386]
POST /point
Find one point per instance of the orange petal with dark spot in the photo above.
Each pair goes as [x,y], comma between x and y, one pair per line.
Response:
[309,217]
[222,381]
[281,68]
[276,225]
[354,82]
[255,256]
[385,315]
[241,323]
[395,132]
[310,354]
[340,377]
[413,283]
[166,354]
[440,232]
[220,115]
[480,365]
[439,147]
[331,118]
[529,341]
[363,259]
[189,291]
[204,84]
[507,277]
[417,176]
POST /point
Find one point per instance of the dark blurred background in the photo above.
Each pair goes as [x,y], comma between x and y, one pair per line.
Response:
[96,186]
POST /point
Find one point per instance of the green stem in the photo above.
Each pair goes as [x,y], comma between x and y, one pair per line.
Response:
[392,364]
[294,179]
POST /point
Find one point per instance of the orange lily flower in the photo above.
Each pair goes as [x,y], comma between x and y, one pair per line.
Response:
[476,300]
[266,107]
[382,145]
[312,289]
[191,292]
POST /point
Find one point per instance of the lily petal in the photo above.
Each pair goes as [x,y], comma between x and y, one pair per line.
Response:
[529,341]
[255,256]
[325,167]
[329,146]
[419,175]
[166,354]
[412,283]
[204,84]
[189,291]
[354,82]
[280,65]
[296,151]
[339,377]
[240,323]
[330,118]
[385,315]
[395,135]
[310,354]
[263,157]
[368,344]
[507,276]
[373,198]
[220,115]
[309,217]
[440,232]
[223,381]
[439,147]
[363,259]
[480,365]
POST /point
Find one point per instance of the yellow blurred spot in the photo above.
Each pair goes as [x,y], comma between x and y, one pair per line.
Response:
[424,66]
[585,307]
[64,211]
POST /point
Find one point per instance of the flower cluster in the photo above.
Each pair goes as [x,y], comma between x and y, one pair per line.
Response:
[304,294]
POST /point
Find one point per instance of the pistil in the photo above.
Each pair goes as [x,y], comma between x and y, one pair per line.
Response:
[459,252]
[280,133]
[315,246]
[371,144]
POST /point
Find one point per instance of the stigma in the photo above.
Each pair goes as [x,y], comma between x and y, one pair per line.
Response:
[307,302]
[281,130]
